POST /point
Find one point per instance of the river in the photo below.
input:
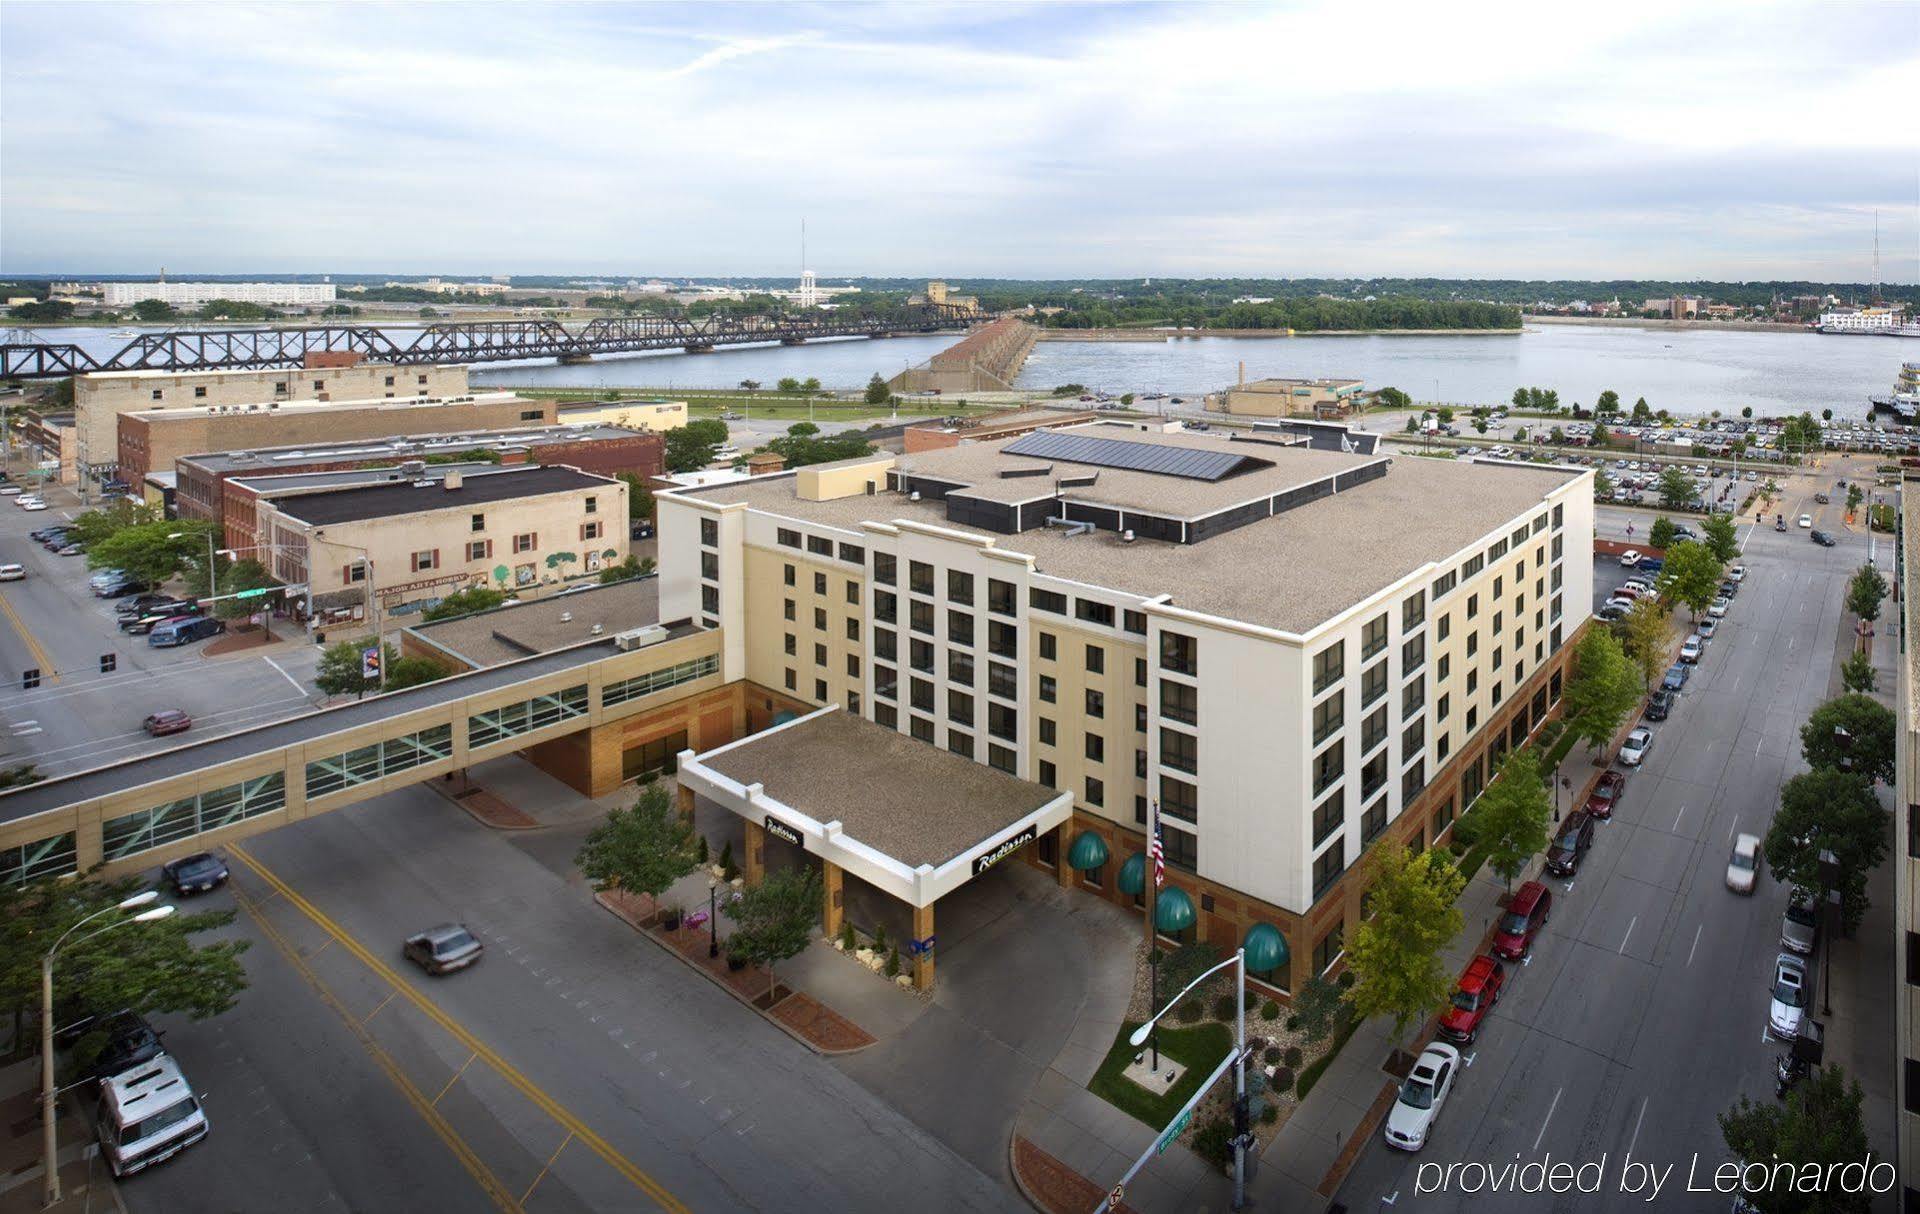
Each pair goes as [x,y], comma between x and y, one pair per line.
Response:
[1687,371]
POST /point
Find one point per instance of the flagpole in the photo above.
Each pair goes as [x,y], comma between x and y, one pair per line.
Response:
[1152,883]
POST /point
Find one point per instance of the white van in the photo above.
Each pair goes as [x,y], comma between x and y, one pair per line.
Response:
[147,1113]
[728,452]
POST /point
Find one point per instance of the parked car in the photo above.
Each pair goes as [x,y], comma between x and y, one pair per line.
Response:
[39,535]
[166,721]
[12,573]
[1634,750]
[1718,608]
[1707,628]
[1422,1095]
[1737,574]
[1823,539]
[1570,844]
[1692,648]
[1728,589]
[149,603]
[9,490]
[1527,912]
[183,630]
[74,549]
[147,1114]
[1822,498]
[141,625]
[1473,997]
[1660,704]
[443,949]
[1676,677]
[1630,557]
[1787,1006]
[1800,926]
[1606,795]
[117,1042]
[1743,867]
[196,873]
[1652,564]
[1612,609]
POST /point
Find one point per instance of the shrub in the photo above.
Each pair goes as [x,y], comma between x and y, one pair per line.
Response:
[727,865]
[1214,1141]
[1271,1055]
[893,963]
[1189,1012]
[1282,1081]
[1293,1024]
[1293,1056]
[1224,1008]
[1269,1115]
[879,937]
[700,851]
[1269,1010]
[847,939]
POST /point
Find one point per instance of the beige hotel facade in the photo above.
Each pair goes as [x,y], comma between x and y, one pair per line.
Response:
[1297,649]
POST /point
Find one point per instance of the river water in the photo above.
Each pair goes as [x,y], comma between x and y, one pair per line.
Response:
[1688,371]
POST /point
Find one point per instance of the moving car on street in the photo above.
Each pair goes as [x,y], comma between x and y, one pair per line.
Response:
[1422,1095]
[166,721]
[1473,997]
[1743,867]
[443,949]
[12,573]
[1823,539]
[1806,520]
[197,873]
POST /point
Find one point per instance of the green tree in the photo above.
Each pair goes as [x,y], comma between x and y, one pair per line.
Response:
[1819,1126]
[803,430]
[1865,592]
[641,850]
[1747,411]
[1641,412]
[153,311]
[787,383]
[1851,733]
[412,671]
[1550,401]
[1394,954]
[1602,482]
[93,526]
[234,577]
[152,552]
[1661,536]
[1520,398]
[1604,688]
[1445,414]
[639,497]
[1319,1009]
[750,385]
[1393,398]
[1413,425]
[632,567]
[1601,435]
[1676,489]
[1691,575]
[877,390]
[339,670]
[810,385]
[689,450]
[156,967]
[464,602]
[1608,402]
[42,311]
[773,920]
[1857,673]
[1718,535]
[1831,810]
[1648,632]
[1510,818]
[1558,437]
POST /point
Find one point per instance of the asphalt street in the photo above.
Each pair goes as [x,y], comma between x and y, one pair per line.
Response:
[575,1067]
[79,717]
[1641,1014]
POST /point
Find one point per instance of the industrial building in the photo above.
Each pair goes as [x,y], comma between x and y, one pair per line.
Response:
[193,294]
[1319,398]
[658,416]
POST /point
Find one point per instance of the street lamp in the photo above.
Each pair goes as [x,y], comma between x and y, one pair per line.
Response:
[713,917]
[49,1143]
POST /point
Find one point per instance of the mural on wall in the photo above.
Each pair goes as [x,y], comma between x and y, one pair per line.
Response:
[501,574]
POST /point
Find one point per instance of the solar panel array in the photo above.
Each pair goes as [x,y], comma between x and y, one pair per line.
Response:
[1190,462]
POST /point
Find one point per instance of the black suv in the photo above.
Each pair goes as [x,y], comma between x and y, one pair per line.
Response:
[1660,705]
[1823,539]
[112,1043]
[1570,845]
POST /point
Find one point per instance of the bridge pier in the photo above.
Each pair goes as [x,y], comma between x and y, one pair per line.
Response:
[698,348]
[793,341]
[569,360]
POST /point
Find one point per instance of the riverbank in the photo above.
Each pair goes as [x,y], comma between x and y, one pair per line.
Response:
[1628,322]
[1166,335]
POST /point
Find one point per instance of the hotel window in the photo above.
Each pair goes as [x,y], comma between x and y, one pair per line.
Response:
[853,553]
[1559,514]
[1003,722]
[1496,659]
[1373,775]
[1413,654]
[1473,681]
[1328,716]
[710,532]
[1373,730]
[1179,702]
[820,619]
[1181,848]
[1328,766]
[788,577]
[1139,672]
[1179,654]
[1134,622]
[1473,565]
[1180,751]
[1444,628]
[959,628]
[1558,540]
[820,690]
[1412,780]
[1328,816]
[710,566]
[710,600]
[885,644]
[1473,643]
[1096,660]
[959,708]
[1373,638]
[429,559]
[1003,681]
[885,714]
[959,587]
[1496,695]
[1327,867]
[593,505]
[1049,646]
[920,655]
[921,694]
[1373,684]
[786,537]
[479,550]
[1047,600]
[853,631]
[886,682]
[920,728]
[886,608]
[1441,745]
[960,743]
[1443,668]
[853,665]
[477,523]
[1096,748]
[790,645]
[1412,739]
[1442,707]
[1179,798]
[1413,613]
[1473,606]
[1049,732]
[819,545]
[1413,697]
[527,542]
[1373,821]
[819,583]
[1002,758]
[1444,584]
[1049,775]
[1139,764]
[1329,665]
[1140,718]
[788,611]
[883,568]
[1473,717]
[920,577]
[1498,550]
[1002,639]
[1049,688]
[792,681]
[1096,791]
[1000,597]
[1093,613]
[1096,704]
[853,592]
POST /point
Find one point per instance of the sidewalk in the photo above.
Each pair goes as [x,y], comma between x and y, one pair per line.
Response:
[86,1185]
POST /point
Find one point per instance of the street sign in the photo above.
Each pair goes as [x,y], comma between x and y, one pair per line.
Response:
[1118,1195]
[1173,1131]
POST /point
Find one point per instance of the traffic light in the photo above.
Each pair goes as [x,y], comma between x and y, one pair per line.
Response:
[107,663]
[30,678]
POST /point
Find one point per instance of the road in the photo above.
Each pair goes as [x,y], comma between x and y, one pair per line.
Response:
[577,1067]
[1640,1016]
[79,717]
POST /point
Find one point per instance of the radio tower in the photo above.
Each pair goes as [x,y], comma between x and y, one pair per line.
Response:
[809,293]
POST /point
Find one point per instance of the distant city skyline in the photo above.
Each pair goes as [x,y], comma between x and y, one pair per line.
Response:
[1724,142]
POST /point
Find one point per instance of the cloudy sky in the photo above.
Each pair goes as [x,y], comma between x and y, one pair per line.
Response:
[1732,141]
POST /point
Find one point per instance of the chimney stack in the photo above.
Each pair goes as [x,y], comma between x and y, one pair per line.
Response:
[451,481]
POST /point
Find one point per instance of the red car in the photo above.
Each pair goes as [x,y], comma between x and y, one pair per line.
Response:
[1606,794]
[1473,998]
[166,721]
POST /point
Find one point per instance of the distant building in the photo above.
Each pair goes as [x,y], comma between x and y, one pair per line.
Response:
[938,435]
[1860,320]
[303,294]
[1328,398]
[440,287]
[658,416]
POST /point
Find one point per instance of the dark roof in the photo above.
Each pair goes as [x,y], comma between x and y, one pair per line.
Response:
[1081,448]
[386,501]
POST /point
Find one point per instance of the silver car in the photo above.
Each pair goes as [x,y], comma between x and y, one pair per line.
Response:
[1787,1006]
[1800,926]
[443,949]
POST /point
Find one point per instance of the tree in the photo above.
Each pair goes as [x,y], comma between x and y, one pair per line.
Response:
[877,390]
[1602,482]
[153,311]
[1851,733]
[1393,398]
[1720,538]
[464,602]
[639,497]
[750,385]
[1319,1009]
[1855,495]
[787,383]
[42,311]
[774,920]
[1676,488]
[810,385]
[1661,536]
[1826,415]
[1691,575]
[1510,818]
[1747,411]
[340,667]
[94,526]
[690,449]
[632,567]
[1608,402]
[1857,673]
[1558,437]
[1865,592]
[1394,954]
[1413,424]
[233,578]
[803,430]
[149,967]
[641,850]
[1520,434]
[1601,435]
[1647,634]
[1445,414]
[1519,398]
[1550,401]
[1641,411]
[152,552]
[1831,810]
[1819,1126]
[1604,688]
[412,671]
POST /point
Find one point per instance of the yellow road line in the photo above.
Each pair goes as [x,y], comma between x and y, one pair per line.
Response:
[439,1124]
[376,1011]
[47,676]
[547,1104]
[456,1076]
[546,1169]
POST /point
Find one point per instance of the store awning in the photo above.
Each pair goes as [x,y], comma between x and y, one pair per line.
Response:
[1172,910]
[1133,875]
[1266,949]
[1089,850]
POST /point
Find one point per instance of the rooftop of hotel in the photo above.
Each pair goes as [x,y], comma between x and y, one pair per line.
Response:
[1291,572]
[269,481]
[518,630]
[269,408]
[432,493]
[262,459]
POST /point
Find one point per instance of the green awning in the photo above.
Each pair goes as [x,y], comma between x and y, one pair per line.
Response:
[1089,850]
[1266,949]
[1172,910]
[1133,875]
[783,716]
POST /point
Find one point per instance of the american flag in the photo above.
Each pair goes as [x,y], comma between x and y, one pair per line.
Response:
[1156,852]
